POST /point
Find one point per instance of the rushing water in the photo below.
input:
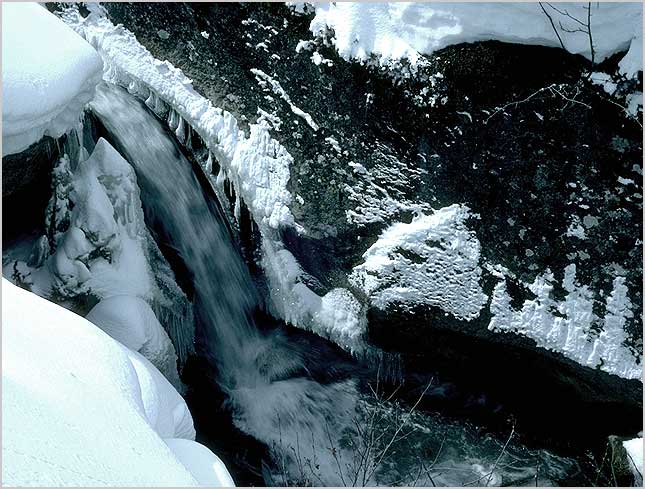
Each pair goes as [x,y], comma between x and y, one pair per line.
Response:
[319,432]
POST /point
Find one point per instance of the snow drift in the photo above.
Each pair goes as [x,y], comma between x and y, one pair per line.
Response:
[79,408]
[48,75]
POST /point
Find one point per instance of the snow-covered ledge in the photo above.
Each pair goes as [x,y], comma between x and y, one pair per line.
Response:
[49,74]
[81,409]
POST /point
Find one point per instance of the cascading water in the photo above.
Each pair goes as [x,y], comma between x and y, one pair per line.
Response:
[254,367]
[316,430]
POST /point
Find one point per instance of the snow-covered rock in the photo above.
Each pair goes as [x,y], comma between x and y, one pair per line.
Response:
[131,321]
[79,408]
[48,75]
[396,30]
[566,326]
[433,260]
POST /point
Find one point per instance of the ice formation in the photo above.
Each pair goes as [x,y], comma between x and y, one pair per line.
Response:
[396,30]
[433,260]
[45,83]
[256,165]
[98,245]
[79,408]
[566,326]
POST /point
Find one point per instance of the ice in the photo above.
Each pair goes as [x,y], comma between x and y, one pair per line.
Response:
[634,449]
[104,249]
[48,75]
[79,408]
[396,30]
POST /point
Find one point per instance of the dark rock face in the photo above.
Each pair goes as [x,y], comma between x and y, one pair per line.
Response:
[517,133]
[26,179]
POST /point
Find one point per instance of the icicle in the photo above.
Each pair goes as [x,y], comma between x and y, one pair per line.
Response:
[208,166]
[150,101]
[189,137]
[237,207]
[180,131]
[132,87]
[172,120]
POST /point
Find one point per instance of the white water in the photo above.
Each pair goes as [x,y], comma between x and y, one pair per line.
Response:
[311,427]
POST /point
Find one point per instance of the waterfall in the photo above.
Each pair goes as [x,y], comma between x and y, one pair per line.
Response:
[262,373]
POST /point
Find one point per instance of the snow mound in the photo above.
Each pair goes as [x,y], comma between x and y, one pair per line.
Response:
[78,408]
[131,321]
[48,75]
[203,464]
[433,260]
[397,30]
[566,326]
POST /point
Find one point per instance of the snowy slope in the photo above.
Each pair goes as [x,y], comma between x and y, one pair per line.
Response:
[398,30]
[48,75]
[78,408]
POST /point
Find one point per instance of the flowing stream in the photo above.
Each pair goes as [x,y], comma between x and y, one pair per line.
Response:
[314,429]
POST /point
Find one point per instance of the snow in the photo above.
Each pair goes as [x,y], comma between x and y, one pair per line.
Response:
[569,330]
[79,408]
[104,249]
[48,75]
[131,321]
[337,315]
[433,261]
[267,82]
[634,449]
[397,30]
[203,464]
[257,166]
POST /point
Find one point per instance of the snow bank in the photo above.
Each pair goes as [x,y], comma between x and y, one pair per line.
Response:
[48,75]
[397,30]
[80,409]
[433,260]
[131,322]
[257,166]
[566,326]
[634,449]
